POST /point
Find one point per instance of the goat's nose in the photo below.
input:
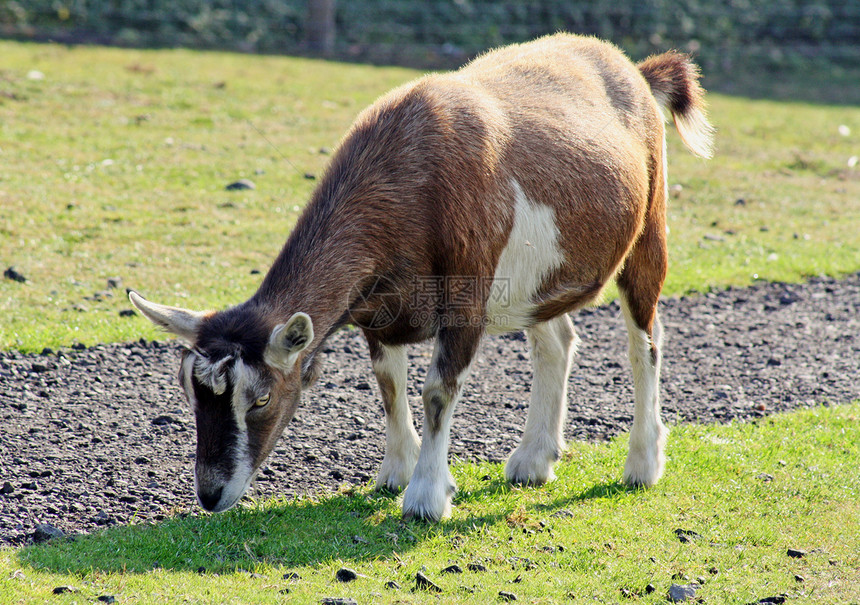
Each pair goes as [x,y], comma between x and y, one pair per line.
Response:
[209,500]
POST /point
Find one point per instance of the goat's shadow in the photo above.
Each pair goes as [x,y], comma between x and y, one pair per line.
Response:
[355,526]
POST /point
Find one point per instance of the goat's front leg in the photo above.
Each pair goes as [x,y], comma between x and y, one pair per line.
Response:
[431,488]
[401,439]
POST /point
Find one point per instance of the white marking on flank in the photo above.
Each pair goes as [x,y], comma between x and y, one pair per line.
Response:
[531,253]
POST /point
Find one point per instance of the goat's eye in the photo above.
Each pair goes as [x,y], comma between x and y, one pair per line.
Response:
[262,400]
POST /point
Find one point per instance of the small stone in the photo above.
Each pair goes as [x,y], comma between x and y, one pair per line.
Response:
[773,362]
[796,554]
[102,518]
[45,532]
[392,585]
[650,588]
[240,185]
[141,460]
[338,601]
[422,582]
[345,574]
[292,576]
[362,386]
[7,488]
[284,591]
[777,600]
[453,569]
[35,74]
[476,567]
[686,535]
[127,313]
[799,578]
[163,420]
[12,274]
[310,176]
[678,593]
[764,477]
[107,598]
[201,570]
[507,596]
[114,282]
[64,589]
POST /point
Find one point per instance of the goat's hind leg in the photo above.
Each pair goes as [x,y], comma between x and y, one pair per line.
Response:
[639,284]
[552,345]
[401,439]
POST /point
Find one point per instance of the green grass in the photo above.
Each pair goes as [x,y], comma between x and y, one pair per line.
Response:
[115,164]
[750,491]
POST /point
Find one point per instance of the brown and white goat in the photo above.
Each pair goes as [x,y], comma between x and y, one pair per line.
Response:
[495,198]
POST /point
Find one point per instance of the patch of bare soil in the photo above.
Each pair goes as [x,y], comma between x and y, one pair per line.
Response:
[102,435]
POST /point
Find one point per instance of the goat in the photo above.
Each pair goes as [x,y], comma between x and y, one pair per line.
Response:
[495,198]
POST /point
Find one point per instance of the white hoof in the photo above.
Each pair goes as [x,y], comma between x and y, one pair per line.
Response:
[645,463]
[427,500]
[395,472]
[530,465]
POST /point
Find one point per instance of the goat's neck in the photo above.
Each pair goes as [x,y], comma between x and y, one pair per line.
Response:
[314,274]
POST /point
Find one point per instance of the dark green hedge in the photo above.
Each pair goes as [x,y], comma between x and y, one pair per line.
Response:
[722,33]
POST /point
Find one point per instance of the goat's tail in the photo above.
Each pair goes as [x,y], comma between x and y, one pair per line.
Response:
[674,81]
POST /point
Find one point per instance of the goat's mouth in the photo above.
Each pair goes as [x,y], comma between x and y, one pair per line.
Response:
[216,497]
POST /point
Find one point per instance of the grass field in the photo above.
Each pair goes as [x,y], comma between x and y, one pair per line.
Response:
[744,493]
[114,164]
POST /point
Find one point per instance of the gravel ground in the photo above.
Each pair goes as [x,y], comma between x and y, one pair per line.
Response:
[99,436]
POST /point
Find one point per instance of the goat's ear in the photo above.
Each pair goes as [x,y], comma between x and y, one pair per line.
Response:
[183,323]
[288,340]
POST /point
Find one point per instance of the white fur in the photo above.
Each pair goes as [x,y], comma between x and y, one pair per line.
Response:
[553,344]
[531,252]
[401,439]
[645,458]
[428,495]
[243,473]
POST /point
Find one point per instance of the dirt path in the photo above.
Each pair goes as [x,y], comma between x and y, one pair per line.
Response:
[103,435]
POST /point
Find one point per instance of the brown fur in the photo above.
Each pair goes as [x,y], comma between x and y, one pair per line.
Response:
[419,185]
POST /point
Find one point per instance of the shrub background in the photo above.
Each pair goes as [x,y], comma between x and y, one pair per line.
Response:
[723,34]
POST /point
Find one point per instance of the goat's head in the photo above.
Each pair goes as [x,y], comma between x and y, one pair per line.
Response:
[243,378]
